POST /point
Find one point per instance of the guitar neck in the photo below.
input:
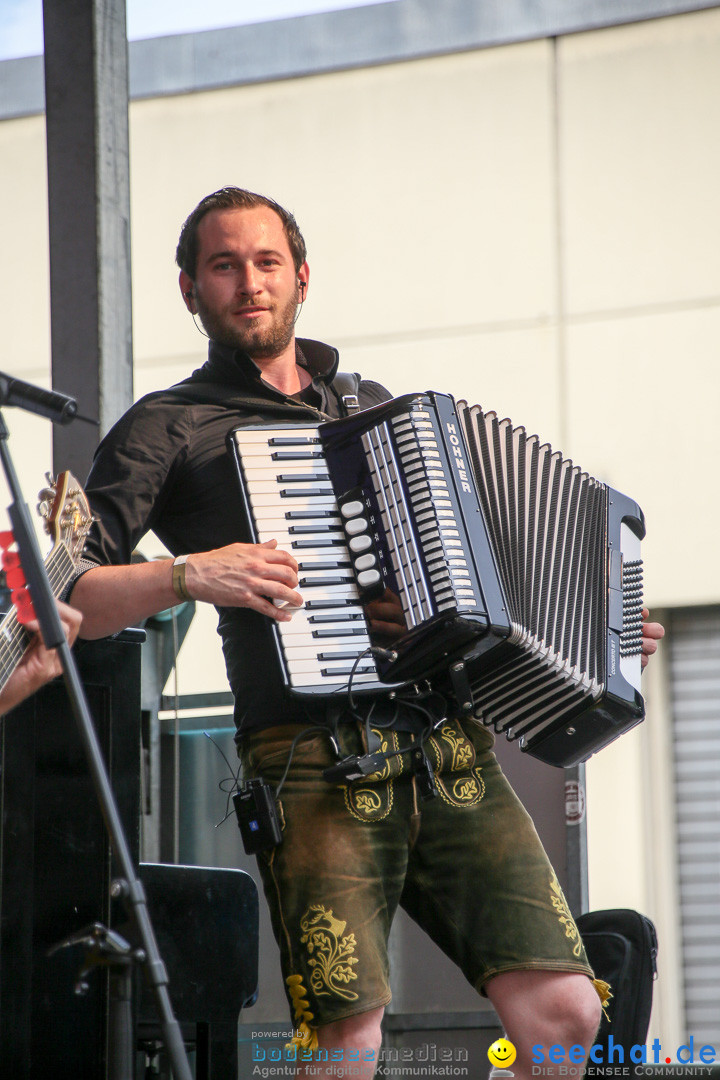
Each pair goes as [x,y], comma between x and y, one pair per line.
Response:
[14,638]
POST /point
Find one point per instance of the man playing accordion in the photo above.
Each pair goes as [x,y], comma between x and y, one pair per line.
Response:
[466,864]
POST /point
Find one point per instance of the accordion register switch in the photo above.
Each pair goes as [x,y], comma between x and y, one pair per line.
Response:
[360,543]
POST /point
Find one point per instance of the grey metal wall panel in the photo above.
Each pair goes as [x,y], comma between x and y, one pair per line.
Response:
[22,87]
[695,693]
[376,34]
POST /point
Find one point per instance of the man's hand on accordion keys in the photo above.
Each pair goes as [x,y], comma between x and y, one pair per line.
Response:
[256,576]
[652,632]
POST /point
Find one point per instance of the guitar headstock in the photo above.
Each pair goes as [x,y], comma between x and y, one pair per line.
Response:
[64,506]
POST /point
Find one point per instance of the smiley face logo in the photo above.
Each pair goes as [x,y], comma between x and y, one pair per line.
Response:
[502,1053]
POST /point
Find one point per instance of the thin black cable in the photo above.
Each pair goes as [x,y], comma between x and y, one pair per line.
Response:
[432,720]
[233,778]
[372,650]
[333,733]
[300,735]
[199,329]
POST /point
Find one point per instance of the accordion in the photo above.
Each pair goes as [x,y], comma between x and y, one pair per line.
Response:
[513,578]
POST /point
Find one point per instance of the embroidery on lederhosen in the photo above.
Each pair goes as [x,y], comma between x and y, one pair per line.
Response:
[454,753]
[564,915]
[330,953]
[305,1033]
[372,799]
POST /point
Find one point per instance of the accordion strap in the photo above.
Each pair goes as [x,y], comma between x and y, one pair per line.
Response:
[345,386]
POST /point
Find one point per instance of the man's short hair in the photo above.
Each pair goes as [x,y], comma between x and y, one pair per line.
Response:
[234,198]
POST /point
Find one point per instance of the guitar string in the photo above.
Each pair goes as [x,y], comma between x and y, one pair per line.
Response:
[13,635]
[56,576]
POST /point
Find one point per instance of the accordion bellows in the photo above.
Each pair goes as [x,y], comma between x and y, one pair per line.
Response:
[548,523]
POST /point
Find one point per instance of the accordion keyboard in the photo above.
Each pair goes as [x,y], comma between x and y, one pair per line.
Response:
[290,499]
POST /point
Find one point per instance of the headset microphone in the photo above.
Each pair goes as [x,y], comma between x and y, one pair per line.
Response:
[301,286]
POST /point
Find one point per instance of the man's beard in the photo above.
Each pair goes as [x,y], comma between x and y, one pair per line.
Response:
[262,343]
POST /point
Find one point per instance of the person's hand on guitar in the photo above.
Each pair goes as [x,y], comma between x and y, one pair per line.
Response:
[38,664]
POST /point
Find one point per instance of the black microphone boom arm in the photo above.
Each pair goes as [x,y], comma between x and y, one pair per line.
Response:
[59,408]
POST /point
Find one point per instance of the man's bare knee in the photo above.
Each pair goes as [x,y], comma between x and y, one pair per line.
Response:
[579,1004]
[355,1040]
[559,1006]
[356,1032]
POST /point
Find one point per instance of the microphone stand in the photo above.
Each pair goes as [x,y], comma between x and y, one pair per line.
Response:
[130,887]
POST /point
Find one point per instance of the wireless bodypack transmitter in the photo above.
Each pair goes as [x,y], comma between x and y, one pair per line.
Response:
[258,817]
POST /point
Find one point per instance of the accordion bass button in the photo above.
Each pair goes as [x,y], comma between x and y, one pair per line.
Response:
[356,525]
[368,578]
[365,562]
[351,509]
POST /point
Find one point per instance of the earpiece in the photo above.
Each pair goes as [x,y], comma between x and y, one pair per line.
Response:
[302,285]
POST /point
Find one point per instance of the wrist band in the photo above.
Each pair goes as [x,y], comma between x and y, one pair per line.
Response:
[178,578]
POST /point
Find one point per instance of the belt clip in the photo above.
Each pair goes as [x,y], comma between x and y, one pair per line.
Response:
[423,772]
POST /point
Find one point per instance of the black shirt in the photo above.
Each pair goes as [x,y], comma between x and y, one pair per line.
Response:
[165,468]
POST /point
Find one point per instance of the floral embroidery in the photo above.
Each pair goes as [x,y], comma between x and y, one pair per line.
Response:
[393,766]
[372,798]
[462,750]
[454,753]
[565,918]
[367,802]
[330,952]
[464,791]
[452,750]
